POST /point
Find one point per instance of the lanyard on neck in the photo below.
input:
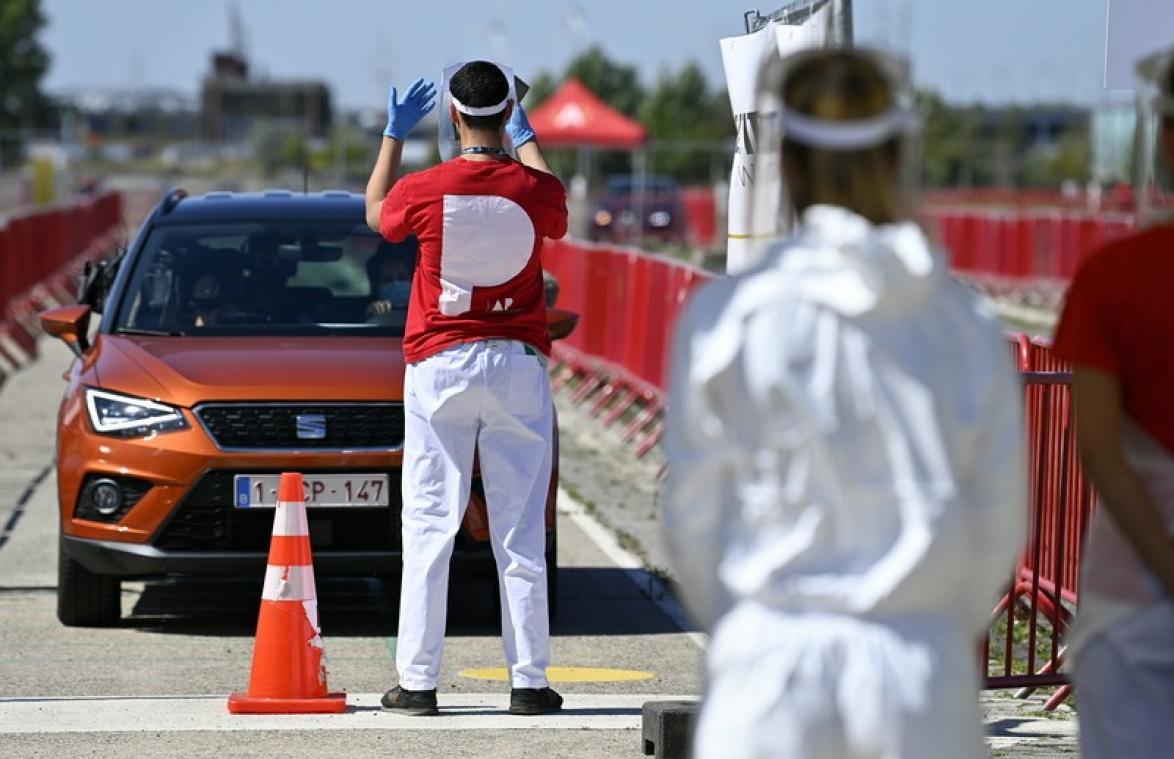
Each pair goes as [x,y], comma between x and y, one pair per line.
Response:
[483,150]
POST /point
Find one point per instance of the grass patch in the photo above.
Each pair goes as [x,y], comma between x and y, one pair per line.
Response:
[1020,642]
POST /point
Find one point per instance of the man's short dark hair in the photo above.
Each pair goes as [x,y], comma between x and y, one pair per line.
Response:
[480,84]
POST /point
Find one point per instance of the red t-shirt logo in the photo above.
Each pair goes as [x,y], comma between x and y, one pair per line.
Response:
[486,242]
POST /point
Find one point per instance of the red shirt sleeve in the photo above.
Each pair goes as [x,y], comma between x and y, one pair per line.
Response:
[1085,333]
[393,216]
[549,208]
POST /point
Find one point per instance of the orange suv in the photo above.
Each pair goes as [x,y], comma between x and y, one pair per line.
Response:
[241,335]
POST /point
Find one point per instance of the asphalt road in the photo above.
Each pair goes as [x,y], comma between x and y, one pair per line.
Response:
[155,685]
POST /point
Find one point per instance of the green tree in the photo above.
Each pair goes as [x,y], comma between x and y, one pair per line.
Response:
[949,142]
[1068,159]
[541,88]
[616,84]
[689,124]
[23,63]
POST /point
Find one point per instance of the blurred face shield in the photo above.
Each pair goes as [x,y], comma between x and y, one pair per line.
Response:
[447,139]
[837,127]
[1155,139]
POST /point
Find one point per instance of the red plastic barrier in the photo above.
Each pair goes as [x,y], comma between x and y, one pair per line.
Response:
[20,246]
[42,249]
[637,314]
[700,215]
[1027,246]
[8,263]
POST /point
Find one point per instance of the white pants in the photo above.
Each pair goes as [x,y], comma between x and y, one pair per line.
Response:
[491,396]
[829,686]
[1125,687]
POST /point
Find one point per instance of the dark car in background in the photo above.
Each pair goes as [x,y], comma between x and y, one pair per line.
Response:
[630,209]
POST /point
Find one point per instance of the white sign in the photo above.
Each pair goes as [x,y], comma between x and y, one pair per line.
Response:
[742,57]
[1135,29]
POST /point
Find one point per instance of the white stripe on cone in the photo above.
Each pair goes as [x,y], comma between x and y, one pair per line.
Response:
[289,584]
[290,519]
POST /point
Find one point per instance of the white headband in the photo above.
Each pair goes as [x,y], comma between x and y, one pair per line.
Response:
[489,110]
[847,135]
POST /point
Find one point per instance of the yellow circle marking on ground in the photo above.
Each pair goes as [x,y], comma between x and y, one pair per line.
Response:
[566,674]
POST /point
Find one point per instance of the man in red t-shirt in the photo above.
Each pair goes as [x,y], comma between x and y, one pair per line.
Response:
[1117,330]
[476,343]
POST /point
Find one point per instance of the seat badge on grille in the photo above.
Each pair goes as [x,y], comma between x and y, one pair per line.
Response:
[311,426]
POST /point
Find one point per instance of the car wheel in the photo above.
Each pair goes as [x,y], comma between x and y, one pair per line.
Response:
[85,599]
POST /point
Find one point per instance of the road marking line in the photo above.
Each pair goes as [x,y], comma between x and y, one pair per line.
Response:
[18,511]
[566,674]
[459,711]
[647,582]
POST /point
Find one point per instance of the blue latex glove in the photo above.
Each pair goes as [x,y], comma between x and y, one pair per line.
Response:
[403,115]
[518,127]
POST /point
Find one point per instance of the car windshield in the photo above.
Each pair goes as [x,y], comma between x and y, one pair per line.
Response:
[275,278]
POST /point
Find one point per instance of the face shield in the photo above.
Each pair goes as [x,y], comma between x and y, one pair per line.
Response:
[1155,139]
[876,182]
[447,139]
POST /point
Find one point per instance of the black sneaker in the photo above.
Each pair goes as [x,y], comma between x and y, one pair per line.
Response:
[534,701]
[414,703]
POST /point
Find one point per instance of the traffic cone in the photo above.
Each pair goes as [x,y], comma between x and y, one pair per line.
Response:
[288,675]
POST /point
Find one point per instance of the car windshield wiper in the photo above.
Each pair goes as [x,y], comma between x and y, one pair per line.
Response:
[146,332]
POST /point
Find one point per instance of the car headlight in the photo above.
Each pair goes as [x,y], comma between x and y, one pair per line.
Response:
[660,219]
[128,416]
[602,218]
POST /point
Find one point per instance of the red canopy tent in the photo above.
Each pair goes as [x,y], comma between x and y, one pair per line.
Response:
[574,116]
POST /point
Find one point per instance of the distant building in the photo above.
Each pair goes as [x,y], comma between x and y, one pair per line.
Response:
[138,114]
[232,103]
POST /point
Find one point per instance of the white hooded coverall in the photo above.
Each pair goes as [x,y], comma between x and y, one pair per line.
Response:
[846,495]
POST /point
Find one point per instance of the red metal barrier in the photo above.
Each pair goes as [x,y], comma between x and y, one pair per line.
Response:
[1044,589]
[41,253]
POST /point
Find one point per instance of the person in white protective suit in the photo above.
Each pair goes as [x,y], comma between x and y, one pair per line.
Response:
[476,343]
[846,486]
[1117,329]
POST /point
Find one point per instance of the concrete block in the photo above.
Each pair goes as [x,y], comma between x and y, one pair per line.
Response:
[668,728]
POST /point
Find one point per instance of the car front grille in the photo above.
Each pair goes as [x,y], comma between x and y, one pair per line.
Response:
[304,426]
[206,520]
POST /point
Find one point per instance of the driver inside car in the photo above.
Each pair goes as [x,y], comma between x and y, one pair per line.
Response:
[209,302]
[389,272]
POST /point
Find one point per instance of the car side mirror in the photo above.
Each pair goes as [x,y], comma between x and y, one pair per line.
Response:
[560,322]
[71,324]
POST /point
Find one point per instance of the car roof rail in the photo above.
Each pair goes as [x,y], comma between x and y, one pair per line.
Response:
[171,200]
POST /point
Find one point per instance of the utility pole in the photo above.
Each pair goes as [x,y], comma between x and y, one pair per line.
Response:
[842,23]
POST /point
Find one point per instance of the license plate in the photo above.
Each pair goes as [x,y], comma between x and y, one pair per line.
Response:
[255,491]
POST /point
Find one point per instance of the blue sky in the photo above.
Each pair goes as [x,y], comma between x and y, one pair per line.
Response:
[993,50]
